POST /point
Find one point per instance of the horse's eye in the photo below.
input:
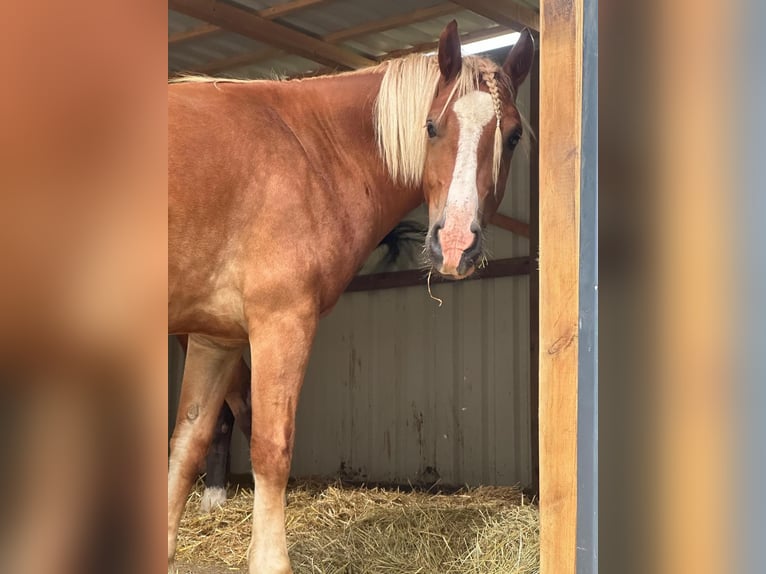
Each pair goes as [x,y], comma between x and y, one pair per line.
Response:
[431,128]
[514,139]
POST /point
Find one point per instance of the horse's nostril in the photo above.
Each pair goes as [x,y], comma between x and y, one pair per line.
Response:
[472,254]
[434,245]
[475,246]
[476,239]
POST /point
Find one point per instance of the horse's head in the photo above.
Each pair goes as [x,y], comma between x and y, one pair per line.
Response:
[471,137]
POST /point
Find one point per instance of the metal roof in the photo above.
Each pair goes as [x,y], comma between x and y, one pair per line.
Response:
[372,29]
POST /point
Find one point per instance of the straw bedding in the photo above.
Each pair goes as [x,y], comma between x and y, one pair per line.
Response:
[338,529]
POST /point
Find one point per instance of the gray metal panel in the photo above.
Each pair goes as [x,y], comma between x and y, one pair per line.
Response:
[196,54]
[587,376]
[415,34]
[178,22]
[398,386]
[272,69]
[749,285]
[344,14]
[258,4]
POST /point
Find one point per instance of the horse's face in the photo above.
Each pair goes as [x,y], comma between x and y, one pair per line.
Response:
[459,177]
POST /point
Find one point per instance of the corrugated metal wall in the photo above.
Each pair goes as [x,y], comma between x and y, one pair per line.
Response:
[399,389]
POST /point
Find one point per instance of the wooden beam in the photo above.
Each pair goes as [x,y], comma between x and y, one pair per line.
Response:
[268,13]
[340,36]
[504,12]
[510,224]
[253,26]
[281,10]
[393,22]
[416,277]
[200,32]
[560,155]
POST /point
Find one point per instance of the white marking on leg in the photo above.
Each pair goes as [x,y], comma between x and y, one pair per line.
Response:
[180,448]
[213,497]
[175,483]
[268,545]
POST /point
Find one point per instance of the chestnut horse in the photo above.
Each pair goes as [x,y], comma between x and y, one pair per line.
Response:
[278,191]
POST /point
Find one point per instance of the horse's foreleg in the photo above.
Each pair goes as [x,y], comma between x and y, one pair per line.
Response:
[207,375]
[217,461]
[280,350]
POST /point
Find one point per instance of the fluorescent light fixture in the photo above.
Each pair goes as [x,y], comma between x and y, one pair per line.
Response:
[488,44]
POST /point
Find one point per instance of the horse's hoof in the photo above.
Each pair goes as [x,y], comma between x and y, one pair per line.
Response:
[212,498]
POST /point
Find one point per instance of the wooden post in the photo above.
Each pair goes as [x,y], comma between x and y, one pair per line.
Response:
[560,155]
[534,275]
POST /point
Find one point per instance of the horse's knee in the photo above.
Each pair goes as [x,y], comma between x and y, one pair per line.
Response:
[271,458]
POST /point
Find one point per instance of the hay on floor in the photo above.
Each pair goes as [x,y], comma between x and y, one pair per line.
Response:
[337,529]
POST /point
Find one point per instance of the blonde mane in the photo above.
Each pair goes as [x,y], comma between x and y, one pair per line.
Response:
[405,98]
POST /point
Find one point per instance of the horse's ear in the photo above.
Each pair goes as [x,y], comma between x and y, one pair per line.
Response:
[450,59]
[519,60]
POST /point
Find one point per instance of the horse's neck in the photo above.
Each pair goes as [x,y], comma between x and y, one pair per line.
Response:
[341,117]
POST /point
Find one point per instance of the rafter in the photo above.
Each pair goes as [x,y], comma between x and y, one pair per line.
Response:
[336,37]
[200,32]
[268,13]
[504,12]
[254,26]
[358,31]
[289,7]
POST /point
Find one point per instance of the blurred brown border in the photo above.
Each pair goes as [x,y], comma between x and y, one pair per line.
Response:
[83,211]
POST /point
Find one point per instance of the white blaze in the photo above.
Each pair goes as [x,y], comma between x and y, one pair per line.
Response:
[473,111]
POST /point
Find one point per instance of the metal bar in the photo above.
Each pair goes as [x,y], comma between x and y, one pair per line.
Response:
[587,376]
[416,277]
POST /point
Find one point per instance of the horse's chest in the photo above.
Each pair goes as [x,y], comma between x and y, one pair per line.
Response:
[211,304]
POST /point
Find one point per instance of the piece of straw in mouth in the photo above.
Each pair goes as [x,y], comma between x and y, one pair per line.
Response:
[430,294]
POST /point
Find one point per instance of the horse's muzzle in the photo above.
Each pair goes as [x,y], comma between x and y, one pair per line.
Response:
[453,261]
